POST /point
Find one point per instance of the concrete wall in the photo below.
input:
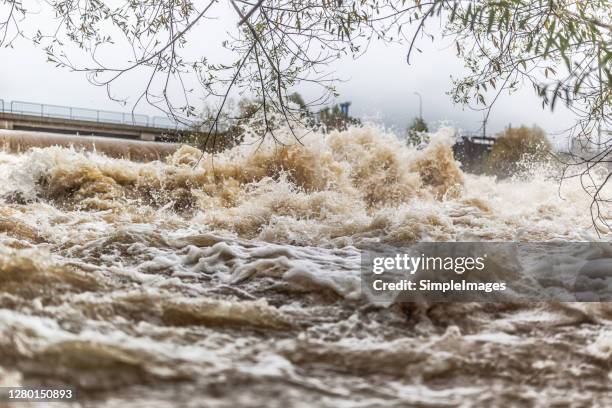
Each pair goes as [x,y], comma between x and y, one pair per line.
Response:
[149,137]
[17,141]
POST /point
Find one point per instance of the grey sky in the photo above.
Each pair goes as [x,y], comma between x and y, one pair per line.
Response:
[380,84]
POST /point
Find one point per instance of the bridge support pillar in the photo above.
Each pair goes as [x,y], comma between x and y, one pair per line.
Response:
[149,137]
[6,124]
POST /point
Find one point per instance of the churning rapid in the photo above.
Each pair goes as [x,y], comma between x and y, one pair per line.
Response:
[235,282]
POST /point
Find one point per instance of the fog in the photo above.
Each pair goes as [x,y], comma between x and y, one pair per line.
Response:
[380,85]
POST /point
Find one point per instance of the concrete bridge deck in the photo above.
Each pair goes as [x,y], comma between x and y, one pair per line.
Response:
[28,116]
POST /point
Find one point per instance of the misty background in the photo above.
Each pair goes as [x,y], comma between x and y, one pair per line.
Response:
[380,84]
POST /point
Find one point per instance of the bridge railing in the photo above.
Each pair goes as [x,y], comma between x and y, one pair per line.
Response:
[91,115]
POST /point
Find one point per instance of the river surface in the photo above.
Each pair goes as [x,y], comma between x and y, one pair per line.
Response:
[235,282]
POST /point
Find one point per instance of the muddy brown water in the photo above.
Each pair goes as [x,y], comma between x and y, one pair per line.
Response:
[236,283]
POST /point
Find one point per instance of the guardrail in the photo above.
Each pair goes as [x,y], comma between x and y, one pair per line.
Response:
[90,115]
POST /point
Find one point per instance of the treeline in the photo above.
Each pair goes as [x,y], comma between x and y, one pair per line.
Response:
[215,134]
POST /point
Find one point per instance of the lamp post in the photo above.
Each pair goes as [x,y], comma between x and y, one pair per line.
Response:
[420,105]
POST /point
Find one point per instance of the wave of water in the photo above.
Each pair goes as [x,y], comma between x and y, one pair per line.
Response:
[236,281]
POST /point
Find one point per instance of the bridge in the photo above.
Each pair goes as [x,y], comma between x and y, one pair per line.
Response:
[38,117]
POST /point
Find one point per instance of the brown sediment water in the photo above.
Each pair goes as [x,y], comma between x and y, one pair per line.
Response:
[236,282]
[19,141]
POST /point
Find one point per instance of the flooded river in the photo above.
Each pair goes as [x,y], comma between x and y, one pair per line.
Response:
[235,282]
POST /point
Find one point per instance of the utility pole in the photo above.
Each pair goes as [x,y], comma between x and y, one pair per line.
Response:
[484,127]
[420,105]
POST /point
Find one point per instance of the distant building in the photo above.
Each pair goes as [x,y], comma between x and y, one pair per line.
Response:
[344,108]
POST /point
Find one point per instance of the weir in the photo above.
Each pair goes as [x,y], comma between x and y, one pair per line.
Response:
[17,141]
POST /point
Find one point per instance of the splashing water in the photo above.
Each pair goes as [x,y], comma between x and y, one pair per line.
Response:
[237,282]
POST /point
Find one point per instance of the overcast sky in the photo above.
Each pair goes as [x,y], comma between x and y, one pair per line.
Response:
[380,85]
